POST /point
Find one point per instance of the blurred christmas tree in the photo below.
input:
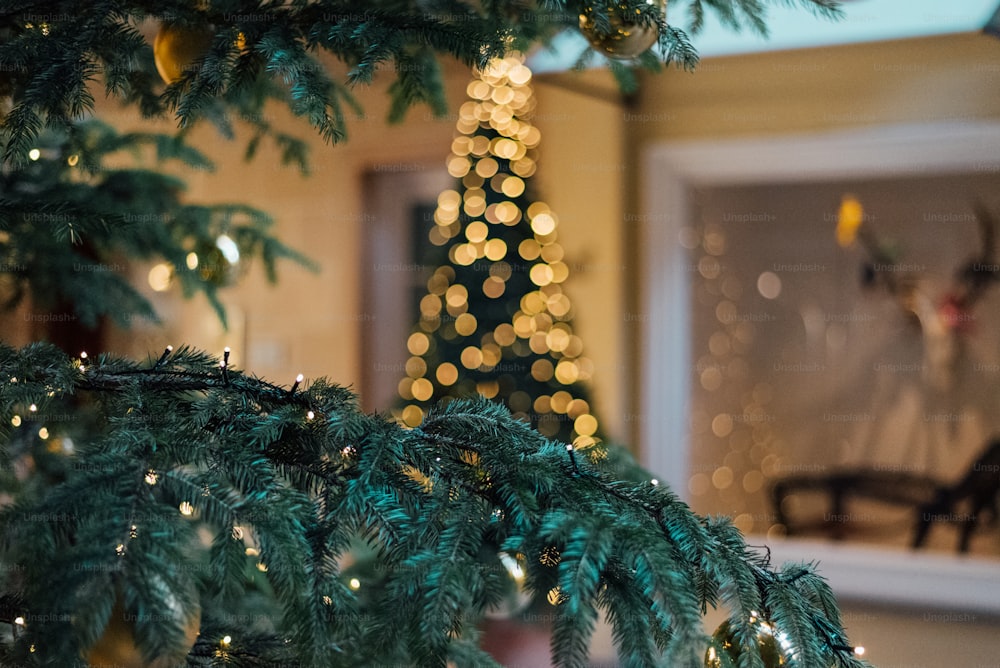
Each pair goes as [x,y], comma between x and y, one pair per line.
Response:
[496,320]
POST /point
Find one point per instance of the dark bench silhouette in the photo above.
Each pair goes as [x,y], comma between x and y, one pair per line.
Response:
[965,502]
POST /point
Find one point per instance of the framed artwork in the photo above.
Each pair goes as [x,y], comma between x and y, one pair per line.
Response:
[822,350]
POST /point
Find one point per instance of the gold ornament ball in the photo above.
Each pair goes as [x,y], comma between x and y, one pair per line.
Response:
[116,646]
[628,39]
[215,268]
[177,46]
[724,650]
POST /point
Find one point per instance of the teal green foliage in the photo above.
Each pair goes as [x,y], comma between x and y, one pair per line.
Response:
[294,480]
[51,53]
[72,219]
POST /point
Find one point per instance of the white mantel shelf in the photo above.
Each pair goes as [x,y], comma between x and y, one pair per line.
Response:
[936,581]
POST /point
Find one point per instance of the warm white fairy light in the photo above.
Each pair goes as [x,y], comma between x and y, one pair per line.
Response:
[226,641]
[33,408]
[859,651]
[15,421]
[43,433]
[654,482]
[19,620]
[160,276]
[186,508]
[151,477]
[355,583]
[310,415]
[120,549]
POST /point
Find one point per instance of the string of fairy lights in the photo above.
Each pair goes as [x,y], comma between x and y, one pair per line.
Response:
[58,443]
[494,166]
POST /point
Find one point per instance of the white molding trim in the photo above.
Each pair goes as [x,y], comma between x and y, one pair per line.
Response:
[670,170]
[936,581]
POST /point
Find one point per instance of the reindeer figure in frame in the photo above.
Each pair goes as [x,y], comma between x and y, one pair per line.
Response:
[941,324]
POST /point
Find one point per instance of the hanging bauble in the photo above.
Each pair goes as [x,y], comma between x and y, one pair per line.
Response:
[516,597]
[178,46]
[216,263]
[117,645]
[627,38]
[724,650]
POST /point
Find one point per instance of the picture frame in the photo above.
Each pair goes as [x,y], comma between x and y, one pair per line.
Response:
[672,173]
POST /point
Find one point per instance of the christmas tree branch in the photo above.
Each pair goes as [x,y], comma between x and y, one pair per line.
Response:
[293,473]
[256,50]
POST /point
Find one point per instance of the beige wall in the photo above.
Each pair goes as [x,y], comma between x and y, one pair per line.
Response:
[581,175]
[941,79]
[306,323]
[906,81]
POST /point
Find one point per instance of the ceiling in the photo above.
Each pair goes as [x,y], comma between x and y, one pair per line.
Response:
[793,27]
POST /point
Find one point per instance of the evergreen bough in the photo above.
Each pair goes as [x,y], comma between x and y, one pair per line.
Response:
[76,214]
[288,479]
[306,55]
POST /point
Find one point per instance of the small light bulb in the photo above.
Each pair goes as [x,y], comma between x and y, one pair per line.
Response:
[859,651]
[83,355]
[16,421]
[186,508]
[119,549]
[43,433]
[151,477]
[33,408]
[299,378]
[262,567]
[19,620]
[226,640]
[355,583]
[310,415]
[654,482]
[34,154]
